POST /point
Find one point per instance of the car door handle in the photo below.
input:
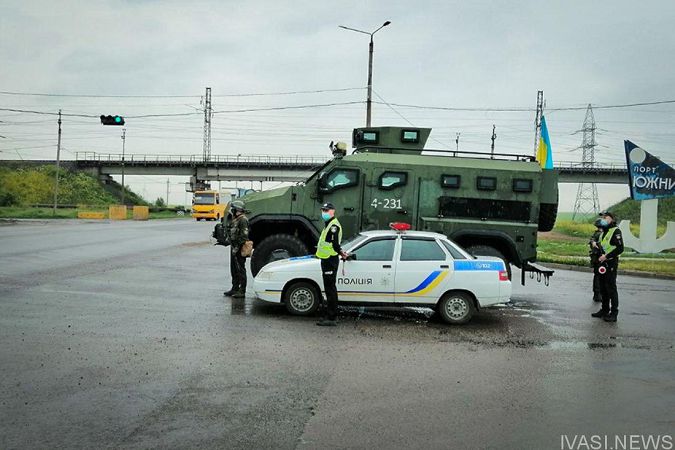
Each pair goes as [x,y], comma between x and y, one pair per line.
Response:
[402,211]
[444,266]
[348,208]
[386,266]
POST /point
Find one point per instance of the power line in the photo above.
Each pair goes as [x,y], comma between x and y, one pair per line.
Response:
[29,111]
[250,94]
[230,111]
[527,109]
[281,108]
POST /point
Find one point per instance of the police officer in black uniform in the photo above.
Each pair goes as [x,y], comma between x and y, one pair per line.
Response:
[238,234]
[595,252]
[328,250]
[611,243]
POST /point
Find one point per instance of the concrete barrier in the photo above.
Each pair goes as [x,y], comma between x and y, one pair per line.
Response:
[141,213]
[117,212]
[91,215]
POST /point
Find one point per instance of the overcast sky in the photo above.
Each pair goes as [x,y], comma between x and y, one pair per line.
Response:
[475,54]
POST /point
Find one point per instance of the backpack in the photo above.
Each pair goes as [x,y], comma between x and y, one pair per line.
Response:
[220,233]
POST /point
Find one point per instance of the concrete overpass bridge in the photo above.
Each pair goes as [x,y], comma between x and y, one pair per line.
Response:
[290,168]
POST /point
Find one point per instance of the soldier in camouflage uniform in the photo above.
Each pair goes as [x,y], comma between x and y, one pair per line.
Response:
[238,233]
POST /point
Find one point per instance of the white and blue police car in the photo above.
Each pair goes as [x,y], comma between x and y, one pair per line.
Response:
[397,267]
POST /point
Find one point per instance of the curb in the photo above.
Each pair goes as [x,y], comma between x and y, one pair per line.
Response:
[633,273]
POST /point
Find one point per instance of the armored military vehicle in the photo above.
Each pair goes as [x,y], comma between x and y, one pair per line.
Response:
[491,204]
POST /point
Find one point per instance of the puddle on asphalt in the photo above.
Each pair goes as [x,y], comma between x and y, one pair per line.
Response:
[566,345]
[472,333]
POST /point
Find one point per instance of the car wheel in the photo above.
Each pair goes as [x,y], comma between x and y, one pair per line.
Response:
[456,307]
[302,298]
[486,250]
[199,219]
[274,248]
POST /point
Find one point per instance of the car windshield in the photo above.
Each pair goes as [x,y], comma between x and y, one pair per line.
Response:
[204,199]
[352,242]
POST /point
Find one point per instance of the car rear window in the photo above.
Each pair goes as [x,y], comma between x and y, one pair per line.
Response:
[456,254]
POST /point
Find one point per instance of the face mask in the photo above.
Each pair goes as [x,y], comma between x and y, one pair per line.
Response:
[604,223]
[325,216]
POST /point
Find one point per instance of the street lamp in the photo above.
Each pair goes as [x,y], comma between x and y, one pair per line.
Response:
[370,66]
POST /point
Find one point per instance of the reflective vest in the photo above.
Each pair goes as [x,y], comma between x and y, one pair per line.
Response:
[606,246]
[325,249]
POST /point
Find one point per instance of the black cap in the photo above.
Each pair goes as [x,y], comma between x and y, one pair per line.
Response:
[327,206]
[607,213]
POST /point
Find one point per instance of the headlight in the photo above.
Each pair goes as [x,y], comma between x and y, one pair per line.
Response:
[262,275]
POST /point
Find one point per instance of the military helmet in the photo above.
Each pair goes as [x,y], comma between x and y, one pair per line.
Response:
[237,205]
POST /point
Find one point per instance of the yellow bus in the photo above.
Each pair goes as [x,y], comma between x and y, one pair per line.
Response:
[206,205]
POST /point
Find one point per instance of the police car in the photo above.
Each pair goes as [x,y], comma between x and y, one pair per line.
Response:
[394,267]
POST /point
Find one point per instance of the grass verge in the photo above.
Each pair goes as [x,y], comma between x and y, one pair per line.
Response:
[663,266]
[16,212]
[568,244]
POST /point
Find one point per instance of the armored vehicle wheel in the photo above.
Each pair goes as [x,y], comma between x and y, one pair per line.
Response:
[302,299]
[456,308]
[274,248]
[547,215]
[486,250]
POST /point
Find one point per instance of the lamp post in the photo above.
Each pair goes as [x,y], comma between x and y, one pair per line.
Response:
[370,66]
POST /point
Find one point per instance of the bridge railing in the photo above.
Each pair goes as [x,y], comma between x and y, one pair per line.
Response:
[578,165]
[199,159]
[300,160]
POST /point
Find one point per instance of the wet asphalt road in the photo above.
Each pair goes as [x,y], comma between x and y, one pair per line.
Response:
[116,335]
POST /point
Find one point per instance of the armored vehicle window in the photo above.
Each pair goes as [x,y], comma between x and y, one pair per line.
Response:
[370,137]
[390,180]
[450,181]
[421,250]
[486,183]
[410,136]
[453,251]
[521,185]
[338,179]
[484,208]
[376,250]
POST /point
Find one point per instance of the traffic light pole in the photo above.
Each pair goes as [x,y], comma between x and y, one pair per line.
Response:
[124,138]
[58,163]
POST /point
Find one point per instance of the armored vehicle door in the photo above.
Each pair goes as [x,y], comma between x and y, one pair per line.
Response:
[343,187]
[389,197]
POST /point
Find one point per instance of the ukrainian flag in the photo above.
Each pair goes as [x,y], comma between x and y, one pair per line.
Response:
[544,153]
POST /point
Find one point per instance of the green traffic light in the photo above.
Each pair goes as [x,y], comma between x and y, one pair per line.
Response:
[118,119]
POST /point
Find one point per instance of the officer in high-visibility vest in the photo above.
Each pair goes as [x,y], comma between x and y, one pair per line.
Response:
[611,245]
[329,251]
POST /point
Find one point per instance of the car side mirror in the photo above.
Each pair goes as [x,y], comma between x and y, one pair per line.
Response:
[351,257]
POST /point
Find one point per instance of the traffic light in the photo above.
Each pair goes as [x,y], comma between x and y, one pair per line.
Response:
[112,120]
